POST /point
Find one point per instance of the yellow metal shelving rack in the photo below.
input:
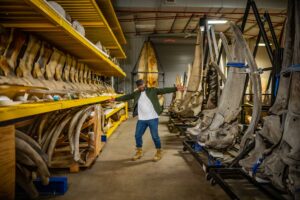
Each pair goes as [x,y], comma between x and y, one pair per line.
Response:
[25,110]
[38,18]
[116,124]
[109,13]
[100,23]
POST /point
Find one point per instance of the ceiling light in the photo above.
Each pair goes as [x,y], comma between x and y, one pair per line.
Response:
[217,21]
[263,44]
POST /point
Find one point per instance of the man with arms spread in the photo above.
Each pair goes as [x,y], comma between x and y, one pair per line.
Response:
[146,106]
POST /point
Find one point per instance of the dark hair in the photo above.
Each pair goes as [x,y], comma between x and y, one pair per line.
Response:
[139,82]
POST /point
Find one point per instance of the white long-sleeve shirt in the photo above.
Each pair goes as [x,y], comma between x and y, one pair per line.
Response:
[145,108]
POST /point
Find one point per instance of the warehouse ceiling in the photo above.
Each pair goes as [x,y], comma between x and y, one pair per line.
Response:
[180,17]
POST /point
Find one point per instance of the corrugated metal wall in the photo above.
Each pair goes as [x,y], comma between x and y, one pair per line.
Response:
[174,59]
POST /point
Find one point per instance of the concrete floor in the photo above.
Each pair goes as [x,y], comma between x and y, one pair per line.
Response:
[114,176]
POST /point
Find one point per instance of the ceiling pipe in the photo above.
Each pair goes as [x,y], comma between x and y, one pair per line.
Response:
[130,11]
[194,4]
[182,17]
[166,30]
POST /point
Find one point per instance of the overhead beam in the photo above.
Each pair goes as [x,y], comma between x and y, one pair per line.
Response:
[278,14]
[275,26]
[155,25]
[134,22]
[197,25]
[165,30]
[172,26]
[188,22]
[191,4]
[181,17]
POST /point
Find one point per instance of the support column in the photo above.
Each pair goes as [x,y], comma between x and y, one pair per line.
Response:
[7,162]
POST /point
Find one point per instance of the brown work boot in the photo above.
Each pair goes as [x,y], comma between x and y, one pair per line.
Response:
[138,154]
[158,155]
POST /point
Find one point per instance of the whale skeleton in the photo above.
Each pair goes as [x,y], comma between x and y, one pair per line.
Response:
[219,128]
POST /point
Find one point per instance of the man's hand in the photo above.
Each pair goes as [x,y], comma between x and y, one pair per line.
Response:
[112,99]
[180,88]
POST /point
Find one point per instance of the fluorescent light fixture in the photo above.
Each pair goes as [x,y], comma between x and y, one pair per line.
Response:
[216,21]
[263,44]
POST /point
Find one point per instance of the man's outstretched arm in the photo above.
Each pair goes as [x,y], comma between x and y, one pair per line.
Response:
[169,89]
[166,90]
[125,97]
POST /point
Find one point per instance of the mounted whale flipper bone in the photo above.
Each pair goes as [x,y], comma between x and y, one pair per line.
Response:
[212,87]
[40,65]
[256,85]
[85,79]
[222,124]
[26,62]
[89,76]
[85,73]
[4,39]
[25,68]
[8,61]
[77,70]
[209,115]
[177,98]
[67,67]
[57,60]
[213,72]
[59,68]
[73,70]
[52,64]
[81,71]
[192,102]
[281,160]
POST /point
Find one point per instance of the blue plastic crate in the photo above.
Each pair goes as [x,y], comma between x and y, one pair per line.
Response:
[103,138]
[57,186]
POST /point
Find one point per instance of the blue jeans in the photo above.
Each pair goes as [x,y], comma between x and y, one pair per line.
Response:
[141,127]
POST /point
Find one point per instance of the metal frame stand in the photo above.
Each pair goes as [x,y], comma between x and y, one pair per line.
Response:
[275,55]
[238,185]
[224,174]
[230,179]
[201,154]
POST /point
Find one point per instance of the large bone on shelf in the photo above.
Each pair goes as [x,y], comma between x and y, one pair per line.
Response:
[40,70]
[40,18]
